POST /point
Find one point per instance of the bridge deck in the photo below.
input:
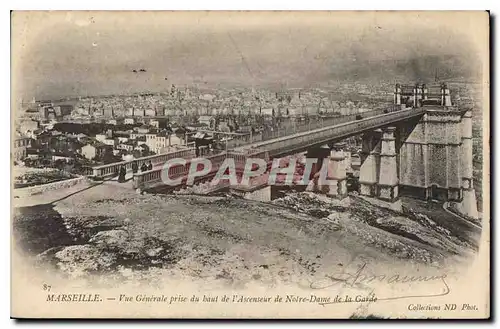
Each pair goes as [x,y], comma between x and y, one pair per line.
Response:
[294,143]
[299,141]
[280,146]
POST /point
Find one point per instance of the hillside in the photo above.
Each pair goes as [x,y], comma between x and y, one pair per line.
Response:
[415,69]
[104,232]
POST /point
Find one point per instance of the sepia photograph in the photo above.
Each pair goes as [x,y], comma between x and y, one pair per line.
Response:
[250,164]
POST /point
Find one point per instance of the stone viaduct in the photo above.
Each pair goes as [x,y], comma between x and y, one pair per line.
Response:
[420,146]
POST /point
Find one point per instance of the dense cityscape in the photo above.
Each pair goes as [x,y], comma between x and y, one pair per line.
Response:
[75,134]
[72,135]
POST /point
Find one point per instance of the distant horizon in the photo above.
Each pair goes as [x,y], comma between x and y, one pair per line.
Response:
[212,89]
[92,54]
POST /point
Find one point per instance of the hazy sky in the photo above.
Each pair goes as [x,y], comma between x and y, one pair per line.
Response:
[87,53]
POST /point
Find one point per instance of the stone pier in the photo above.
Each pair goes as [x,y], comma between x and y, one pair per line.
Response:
[321,155]
[336,173]
[430,155]
[370,162]
[468,206]
[388,183]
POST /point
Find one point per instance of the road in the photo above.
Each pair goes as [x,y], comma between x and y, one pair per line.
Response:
[461,228]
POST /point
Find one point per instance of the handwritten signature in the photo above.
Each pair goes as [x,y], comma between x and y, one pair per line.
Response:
[361,279]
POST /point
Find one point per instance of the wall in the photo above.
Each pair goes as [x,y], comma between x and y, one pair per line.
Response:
[27,191]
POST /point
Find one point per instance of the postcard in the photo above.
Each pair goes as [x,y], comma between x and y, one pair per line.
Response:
[250,164]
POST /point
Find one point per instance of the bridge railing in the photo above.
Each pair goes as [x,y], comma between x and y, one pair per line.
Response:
[157,159]
[86,171]
[257,153]
[300,127]
[296,127]
[153,177]
[217,161]
[324,135]
[147,177]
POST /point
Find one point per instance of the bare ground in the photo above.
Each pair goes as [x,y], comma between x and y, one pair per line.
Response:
[113,233]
